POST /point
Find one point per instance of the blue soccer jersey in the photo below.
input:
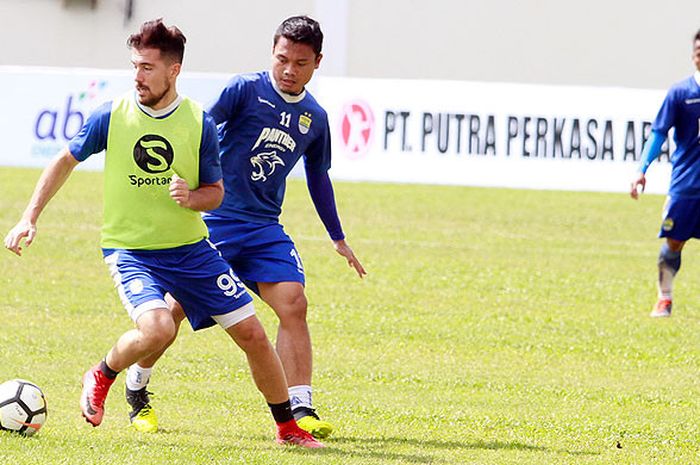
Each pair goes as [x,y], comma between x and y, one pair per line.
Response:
[262,134]
[92,139]
[681,110]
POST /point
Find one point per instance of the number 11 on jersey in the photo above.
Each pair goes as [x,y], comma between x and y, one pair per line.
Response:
[286,117]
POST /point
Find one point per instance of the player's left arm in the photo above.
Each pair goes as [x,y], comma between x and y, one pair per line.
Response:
[210,192]
[316,164]
[321,191]
[203,198]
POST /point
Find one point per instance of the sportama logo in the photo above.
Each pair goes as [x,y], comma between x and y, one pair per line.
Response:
[357,128]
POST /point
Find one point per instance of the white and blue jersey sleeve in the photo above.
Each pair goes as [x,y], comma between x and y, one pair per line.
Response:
[92,139]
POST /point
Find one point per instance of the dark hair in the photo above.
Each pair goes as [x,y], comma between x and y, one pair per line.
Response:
[697,36]
[301,29]
[154,34]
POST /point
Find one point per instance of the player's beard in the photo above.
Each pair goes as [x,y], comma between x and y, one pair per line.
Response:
[150,99]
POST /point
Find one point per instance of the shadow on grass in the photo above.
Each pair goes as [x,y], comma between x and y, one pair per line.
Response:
[457,445]
[424,450]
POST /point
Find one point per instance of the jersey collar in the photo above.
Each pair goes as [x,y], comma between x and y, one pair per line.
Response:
[163,112]
[289,98]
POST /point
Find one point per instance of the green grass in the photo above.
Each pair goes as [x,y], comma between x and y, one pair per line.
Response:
[495,327]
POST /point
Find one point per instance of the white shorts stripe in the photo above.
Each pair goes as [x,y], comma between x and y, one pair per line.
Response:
[134,312]
[111,261]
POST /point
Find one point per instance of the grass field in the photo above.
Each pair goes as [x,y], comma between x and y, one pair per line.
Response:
[495,327]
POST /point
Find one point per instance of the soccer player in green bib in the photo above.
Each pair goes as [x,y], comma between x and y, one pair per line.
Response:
[161,169]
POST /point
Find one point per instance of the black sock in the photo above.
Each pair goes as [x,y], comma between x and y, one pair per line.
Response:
[107,371]
[282,413]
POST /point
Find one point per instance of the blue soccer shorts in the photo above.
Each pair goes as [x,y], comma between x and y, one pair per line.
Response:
[681,218]
[258,253]
[196,275]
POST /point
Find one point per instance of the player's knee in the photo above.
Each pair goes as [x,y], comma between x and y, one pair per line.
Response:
[158,333]
[293,311]
[250,334]
[256,337]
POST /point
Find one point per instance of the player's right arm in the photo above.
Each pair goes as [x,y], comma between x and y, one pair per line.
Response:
[664,121]
[51,180]
[92,138]
[650,152]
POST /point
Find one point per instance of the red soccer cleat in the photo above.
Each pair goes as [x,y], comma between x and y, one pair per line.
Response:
[92,400]
[662,309]
[289,433]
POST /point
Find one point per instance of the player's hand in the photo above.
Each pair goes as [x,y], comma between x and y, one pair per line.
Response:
[638,185]
[180,191]
[22,230]
[344,249]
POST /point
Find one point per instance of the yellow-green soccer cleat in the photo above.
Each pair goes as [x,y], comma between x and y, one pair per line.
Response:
[146,420]
[311,423]
[142,416]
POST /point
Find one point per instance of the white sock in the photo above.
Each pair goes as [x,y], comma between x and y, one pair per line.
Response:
[300,396]
[666,276]
[137,377]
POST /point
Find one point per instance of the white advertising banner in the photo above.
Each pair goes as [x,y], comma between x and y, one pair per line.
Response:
[491,134]
[42,109]
[438,132]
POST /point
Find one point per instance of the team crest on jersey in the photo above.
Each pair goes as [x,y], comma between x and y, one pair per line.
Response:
[304,123]
[667,224]
[264,165]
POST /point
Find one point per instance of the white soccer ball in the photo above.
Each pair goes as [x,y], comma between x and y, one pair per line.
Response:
[22,407]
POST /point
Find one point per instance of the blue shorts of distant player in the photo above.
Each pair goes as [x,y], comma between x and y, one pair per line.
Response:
[194,274]
[257,252]
[681,218]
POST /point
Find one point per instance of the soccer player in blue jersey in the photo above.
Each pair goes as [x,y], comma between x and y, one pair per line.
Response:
[267,121]
[161,169]
[681,217]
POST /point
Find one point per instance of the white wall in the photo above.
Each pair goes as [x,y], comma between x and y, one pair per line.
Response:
[222,35]
[630,43]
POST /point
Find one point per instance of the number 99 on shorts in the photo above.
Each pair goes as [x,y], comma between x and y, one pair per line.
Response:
[229,283]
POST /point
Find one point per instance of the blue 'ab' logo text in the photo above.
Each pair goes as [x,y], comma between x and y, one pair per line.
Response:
[50,124]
